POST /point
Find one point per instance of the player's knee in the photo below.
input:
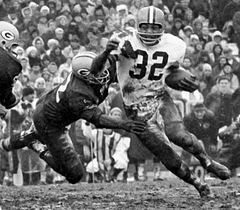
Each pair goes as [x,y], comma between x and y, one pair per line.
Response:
[75,174]
[178,134]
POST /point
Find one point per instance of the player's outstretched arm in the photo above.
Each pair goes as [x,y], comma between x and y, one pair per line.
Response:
[129,125]
[101,120]
[99,62]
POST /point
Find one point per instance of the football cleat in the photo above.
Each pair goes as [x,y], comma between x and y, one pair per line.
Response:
[19,140]
[204,190]
[219,170]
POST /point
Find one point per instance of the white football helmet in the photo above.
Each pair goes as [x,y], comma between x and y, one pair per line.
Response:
[81,66]
[150,15]
[9,35]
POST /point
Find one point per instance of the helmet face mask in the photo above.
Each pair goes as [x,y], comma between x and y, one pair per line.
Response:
[150,25]
[81,65]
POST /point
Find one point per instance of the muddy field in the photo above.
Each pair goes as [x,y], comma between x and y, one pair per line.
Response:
[168,194]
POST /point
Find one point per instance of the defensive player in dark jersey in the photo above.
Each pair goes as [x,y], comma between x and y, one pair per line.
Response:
[77,98]
[10,67]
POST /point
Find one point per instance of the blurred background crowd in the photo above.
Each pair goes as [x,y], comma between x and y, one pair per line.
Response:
[53,31]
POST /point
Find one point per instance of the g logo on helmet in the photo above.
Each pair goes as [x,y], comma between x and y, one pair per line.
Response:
[8,35]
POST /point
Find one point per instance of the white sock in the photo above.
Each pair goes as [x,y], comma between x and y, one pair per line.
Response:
[4,144]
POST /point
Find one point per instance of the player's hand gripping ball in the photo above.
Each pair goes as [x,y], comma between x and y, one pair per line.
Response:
[180,79]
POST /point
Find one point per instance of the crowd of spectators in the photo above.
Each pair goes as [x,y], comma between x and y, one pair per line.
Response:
[53,31]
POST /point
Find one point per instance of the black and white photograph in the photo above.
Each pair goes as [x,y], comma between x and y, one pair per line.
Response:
[119,104]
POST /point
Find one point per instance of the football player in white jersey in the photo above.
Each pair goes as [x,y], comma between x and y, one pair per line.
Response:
[143,60]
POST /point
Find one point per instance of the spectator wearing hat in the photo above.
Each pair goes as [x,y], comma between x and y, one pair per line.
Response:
[219,101]
[39,88]
[217,39]
[33,56]
[33,5]
[185,34]
[20,52]
[130,23]
[63,21]
[44,11]
[122,13]
[27,12]
[206,80]
[197,25]
[42,25]
[177,26]
[194,39]
[202,123]
[59,36]
[40,45]
[227,71]
[50,45]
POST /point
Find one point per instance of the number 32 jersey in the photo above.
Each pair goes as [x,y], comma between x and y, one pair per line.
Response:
[141,79]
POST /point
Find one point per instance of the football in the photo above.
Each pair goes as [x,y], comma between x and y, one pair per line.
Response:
[172,80]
